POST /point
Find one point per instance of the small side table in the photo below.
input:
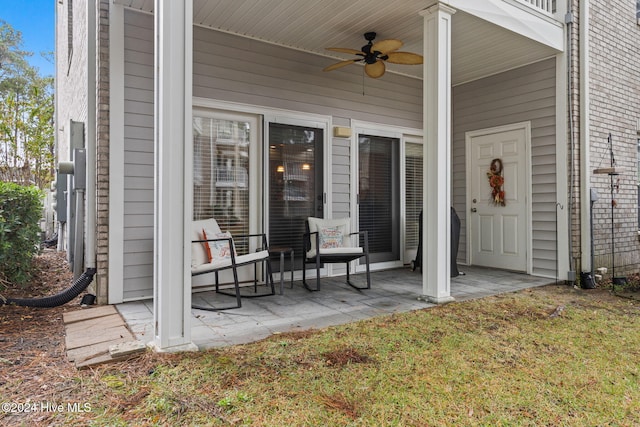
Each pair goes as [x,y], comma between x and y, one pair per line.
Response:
[282,251]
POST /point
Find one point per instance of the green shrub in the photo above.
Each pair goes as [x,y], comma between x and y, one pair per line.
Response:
[20,213]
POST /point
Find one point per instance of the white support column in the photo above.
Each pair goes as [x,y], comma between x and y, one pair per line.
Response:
[436,237]
[173,157]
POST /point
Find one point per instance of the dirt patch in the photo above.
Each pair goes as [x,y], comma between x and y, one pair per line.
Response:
[296,335]
[345,356]
[340,403]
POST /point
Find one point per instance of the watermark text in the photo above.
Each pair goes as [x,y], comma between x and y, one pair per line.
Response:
[44,406]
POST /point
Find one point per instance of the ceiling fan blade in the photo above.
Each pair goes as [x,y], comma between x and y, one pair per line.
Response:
[386,46]
[375,70]
[404,58]
[345,50]
[340,64]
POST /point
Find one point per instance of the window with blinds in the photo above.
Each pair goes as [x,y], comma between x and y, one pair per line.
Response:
[221,173]
[413,193]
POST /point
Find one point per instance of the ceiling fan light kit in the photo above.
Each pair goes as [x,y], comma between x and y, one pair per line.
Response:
[374,54]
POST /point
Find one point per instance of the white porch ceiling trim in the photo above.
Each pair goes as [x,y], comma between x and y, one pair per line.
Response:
[488,37]
[515,18]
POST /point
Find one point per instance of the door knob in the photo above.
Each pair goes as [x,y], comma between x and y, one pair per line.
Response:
[474,210]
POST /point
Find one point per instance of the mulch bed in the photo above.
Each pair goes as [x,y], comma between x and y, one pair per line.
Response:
[32,339]
[33,363]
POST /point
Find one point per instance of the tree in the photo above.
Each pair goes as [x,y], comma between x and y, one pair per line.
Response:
[14,67]
[26,115]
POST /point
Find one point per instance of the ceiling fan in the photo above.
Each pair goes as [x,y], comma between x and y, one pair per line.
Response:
[374,55]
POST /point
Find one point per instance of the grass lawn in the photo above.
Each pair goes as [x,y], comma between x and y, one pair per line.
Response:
[552,356]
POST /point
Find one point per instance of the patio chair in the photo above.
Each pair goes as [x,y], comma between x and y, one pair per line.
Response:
[213,251]
[331,241]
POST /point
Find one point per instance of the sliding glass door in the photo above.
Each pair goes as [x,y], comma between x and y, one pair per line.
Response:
[295,183]
[379,195]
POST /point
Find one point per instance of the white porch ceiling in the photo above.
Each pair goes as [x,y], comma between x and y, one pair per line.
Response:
[479,48]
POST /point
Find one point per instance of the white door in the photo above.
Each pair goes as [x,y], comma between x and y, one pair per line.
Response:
[497,231]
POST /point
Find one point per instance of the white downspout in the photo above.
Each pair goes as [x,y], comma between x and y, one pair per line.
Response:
[585,155]
[90,222]
[56,123]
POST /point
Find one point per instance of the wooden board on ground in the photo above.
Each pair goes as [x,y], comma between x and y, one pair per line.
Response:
[83,353]
[90,333]
[106,322]
[88,313]
[85,338]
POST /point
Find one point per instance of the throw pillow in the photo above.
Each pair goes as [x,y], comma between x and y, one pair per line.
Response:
[330,237]
[207,247]
[216,249]
[220,249]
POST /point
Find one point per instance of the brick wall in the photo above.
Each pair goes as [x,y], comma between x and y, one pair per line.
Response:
[614,39]
[71,73]
[72,104]
[102,150]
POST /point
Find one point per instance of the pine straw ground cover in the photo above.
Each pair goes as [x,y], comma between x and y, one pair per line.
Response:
[547,356]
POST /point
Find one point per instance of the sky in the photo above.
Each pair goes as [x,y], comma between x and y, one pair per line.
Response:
[35,19]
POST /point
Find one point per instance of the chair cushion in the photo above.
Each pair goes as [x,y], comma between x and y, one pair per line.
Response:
[226,262]
[336,251]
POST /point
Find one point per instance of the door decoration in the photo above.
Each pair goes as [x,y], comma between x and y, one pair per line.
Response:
[496,181]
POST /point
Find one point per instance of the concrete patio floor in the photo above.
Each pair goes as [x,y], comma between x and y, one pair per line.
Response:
[392,291]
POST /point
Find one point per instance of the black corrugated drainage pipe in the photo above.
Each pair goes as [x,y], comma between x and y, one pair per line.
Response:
[58,299]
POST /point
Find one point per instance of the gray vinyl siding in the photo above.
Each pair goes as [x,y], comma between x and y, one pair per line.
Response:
[340,181]
[523,94]
[138,156]
[341,172]
[235,69]
[341,187]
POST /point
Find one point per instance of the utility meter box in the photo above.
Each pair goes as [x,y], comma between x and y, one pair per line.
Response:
[61,197]
[79,169]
